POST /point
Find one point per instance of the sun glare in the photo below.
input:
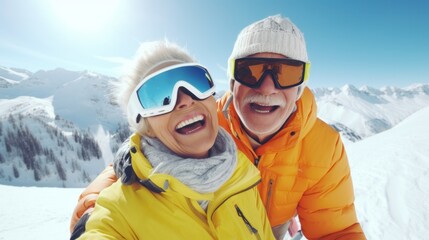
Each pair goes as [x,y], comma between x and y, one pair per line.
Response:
[84,16]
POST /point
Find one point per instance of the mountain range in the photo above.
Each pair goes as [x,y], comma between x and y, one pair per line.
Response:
[60,127]
[360,113]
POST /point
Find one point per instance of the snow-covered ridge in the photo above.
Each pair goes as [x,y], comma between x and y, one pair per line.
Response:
[14,74]
[83,97]
[363,112]
[28,106]
[11,76]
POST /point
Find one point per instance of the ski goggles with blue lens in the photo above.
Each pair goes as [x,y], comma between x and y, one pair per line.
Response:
[157,93]
[285,72]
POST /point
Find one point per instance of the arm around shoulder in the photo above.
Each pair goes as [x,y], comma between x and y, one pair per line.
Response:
[107,221]
[90,194]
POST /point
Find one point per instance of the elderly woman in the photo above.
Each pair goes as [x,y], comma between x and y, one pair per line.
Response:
[192,183]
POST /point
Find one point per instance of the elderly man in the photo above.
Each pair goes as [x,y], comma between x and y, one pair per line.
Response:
[272,117]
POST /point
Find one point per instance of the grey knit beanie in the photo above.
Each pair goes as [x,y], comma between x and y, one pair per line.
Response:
[274,34]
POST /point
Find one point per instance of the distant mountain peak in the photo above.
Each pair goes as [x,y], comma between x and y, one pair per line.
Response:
[368,111]
[14,74]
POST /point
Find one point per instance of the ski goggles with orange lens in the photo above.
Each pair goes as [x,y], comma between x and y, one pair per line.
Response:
[157,93]
[285,72]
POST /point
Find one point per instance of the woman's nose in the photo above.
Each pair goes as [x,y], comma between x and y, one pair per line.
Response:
[183,99]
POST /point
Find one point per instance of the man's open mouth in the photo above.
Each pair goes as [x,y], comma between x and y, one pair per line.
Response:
[263,108]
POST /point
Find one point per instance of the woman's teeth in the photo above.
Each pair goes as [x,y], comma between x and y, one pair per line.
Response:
[189,121]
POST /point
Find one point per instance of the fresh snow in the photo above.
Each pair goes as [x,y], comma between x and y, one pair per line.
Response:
[35,213]
[390,174]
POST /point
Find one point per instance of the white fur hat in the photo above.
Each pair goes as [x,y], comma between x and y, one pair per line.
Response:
[273,34]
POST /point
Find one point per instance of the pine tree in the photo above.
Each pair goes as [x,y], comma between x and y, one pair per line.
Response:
[60,169]
[15,171]
[7,145]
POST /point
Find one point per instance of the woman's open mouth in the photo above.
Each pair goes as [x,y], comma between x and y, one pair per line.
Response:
[191,125]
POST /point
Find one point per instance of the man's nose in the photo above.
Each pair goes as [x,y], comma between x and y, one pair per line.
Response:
[267,86]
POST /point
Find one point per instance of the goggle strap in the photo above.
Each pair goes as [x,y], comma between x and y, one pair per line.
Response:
[307,71]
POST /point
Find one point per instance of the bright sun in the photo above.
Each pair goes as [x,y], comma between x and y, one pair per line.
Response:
[84,16]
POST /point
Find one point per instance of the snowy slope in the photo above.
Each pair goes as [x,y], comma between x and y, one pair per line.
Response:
[34,213]
[390,172]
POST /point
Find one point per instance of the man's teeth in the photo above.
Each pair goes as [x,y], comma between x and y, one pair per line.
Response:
[189,121]
[260,111]
[262,104]
[262,107]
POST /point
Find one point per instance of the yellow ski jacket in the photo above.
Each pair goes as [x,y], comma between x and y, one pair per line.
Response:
[161,207]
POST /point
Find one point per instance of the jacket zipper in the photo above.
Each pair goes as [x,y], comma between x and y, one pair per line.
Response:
[246,189]
[248,224]
[270,187]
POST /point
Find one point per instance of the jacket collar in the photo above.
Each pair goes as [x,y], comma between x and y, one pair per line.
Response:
[244,175]
[158,182]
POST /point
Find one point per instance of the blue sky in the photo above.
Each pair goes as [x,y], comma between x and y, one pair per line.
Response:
[367,42]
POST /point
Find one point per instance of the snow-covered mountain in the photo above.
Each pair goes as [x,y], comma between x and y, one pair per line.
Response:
[363,112]
[57,128]
[81,97]
[55,108]
[38,148]
[390,171]
[10,76]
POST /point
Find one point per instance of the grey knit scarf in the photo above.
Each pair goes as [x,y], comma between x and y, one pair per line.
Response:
[204,175]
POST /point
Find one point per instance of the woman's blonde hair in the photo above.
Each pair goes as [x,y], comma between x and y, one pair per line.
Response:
[150,57]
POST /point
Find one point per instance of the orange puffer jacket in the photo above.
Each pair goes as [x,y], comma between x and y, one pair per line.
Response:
[304,168]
